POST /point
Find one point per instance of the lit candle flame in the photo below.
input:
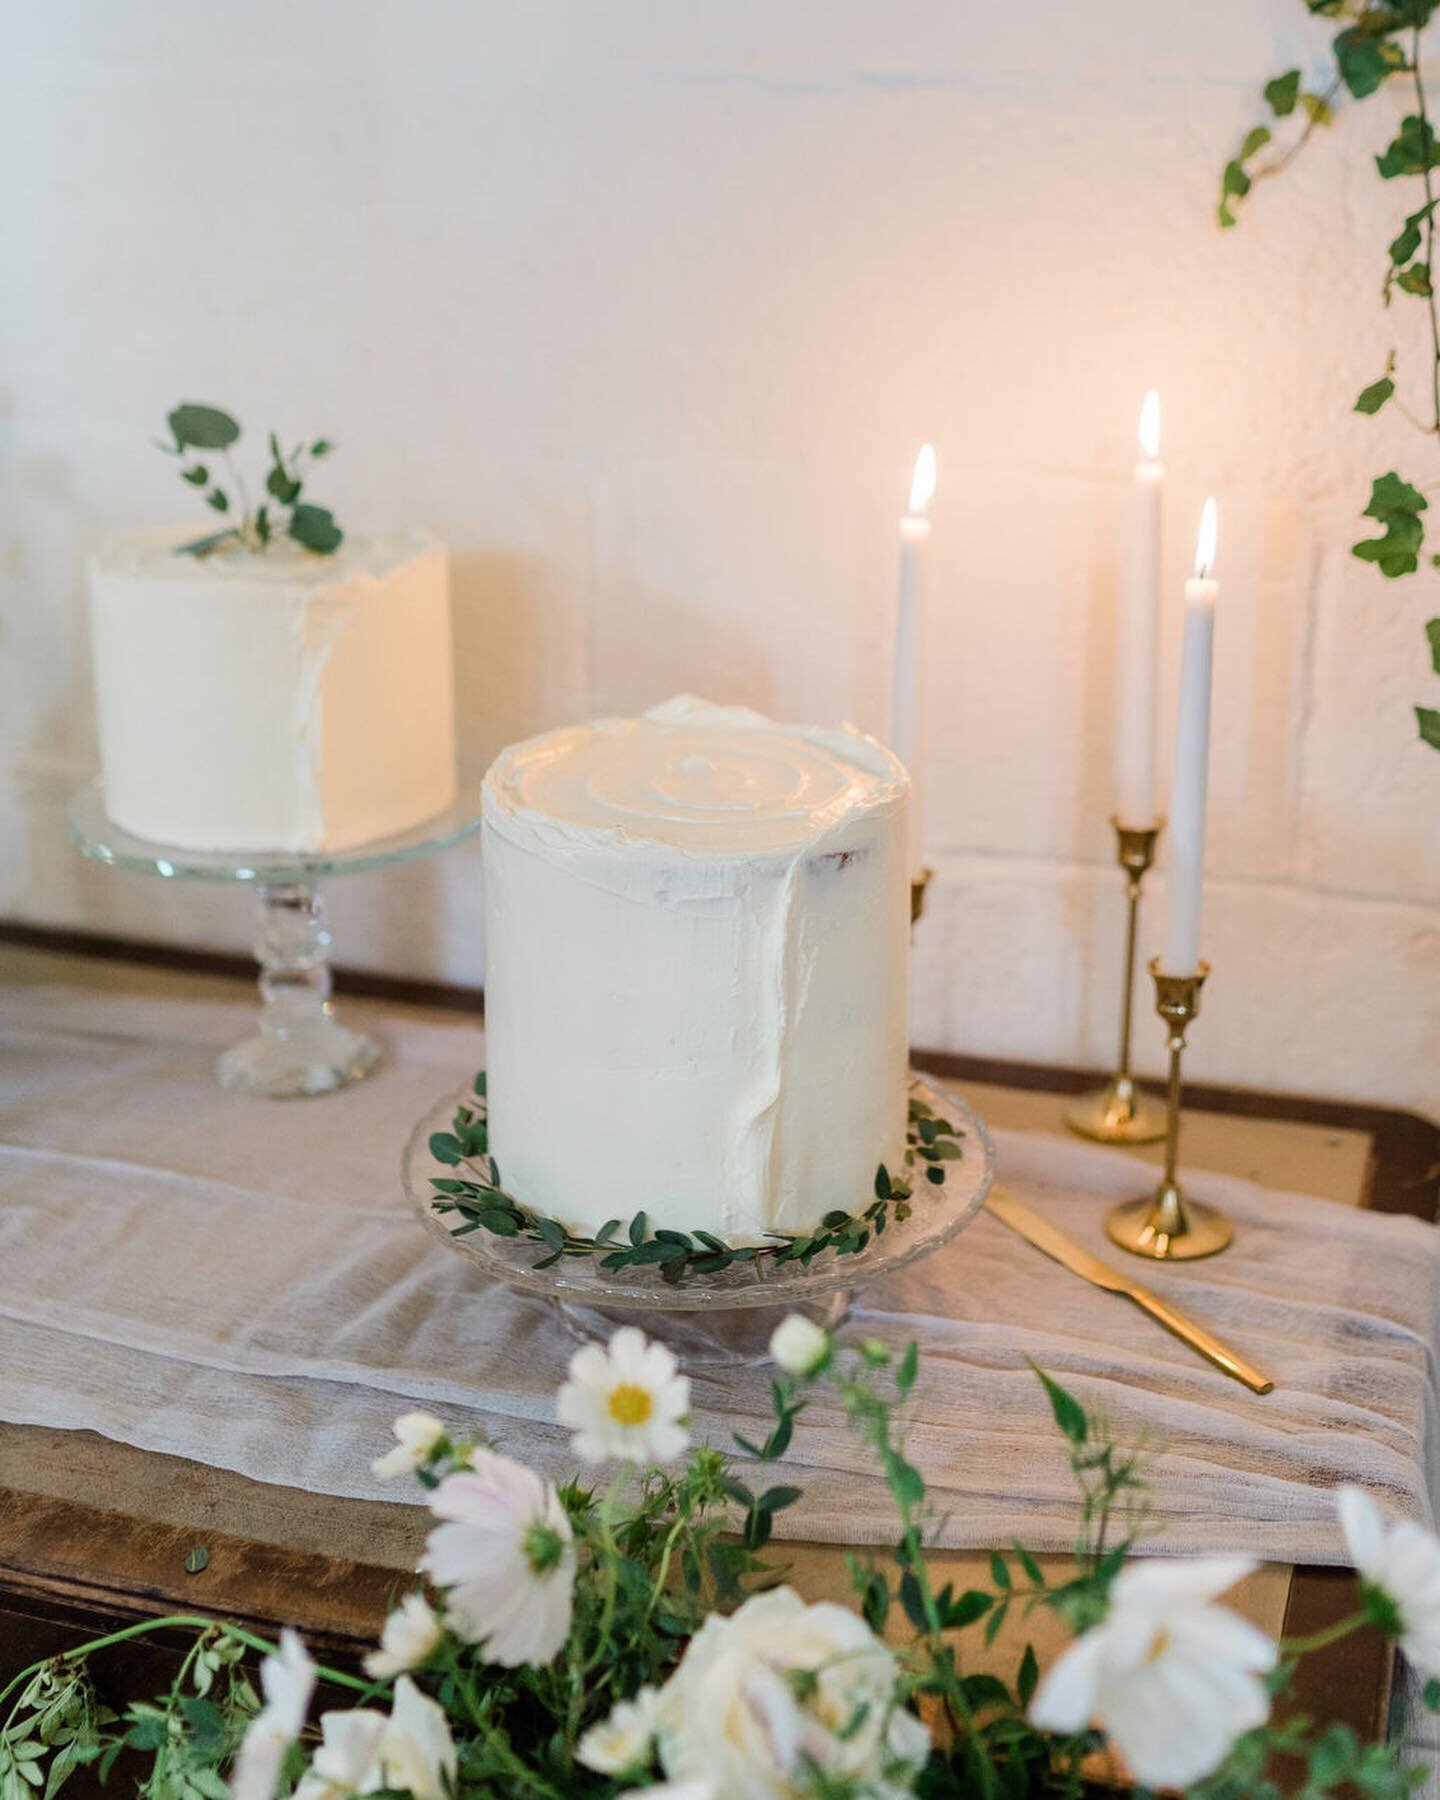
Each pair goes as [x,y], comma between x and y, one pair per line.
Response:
[922,485]
[1205,543]
[1150,427]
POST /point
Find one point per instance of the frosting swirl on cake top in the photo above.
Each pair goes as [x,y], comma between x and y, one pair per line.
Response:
[697,777]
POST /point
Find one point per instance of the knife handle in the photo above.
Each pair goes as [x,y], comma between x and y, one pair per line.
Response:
[1198,1339]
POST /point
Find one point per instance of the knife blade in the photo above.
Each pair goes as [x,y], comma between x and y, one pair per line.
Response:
[1054,1243]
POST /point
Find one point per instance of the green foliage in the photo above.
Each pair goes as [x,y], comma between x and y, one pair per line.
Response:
[482,1204]
[1378,41]
[194,427]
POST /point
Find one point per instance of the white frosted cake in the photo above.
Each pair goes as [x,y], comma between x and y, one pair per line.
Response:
[696,931]
[279,701]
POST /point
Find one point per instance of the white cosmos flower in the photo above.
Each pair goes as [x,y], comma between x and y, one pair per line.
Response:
[287,1681]
[417,1752]
[505,1555]
[625,1401]
[416,1435]
[674,1790]
[778,1685]
[1400,1564]
[410,1633]
[799,1346]
[1170,1677]
[623,1740]
[348,1760]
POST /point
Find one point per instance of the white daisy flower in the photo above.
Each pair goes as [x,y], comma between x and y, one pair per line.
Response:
[799,1346]
[348,1760]
[287,1681]
[416,1435]
[626,1401]
[1170,1678]
[410,1633]
[622,1741]
[506,1557]
[417,1752]
[1399,1569]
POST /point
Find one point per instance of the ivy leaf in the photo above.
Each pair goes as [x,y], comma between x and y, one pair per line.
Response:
[1282,93]
[1316,108]
[1411,152]
[1432,633]
[1255,139]
[202,427]
[1428,721]
[1362,61]
[1397,506]
[1235,181]
[1415,280]
[1372,398]
[315,528]
[219,499]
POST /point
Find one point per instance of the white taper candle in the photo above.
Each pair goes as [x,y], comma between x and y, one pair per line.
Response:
[1138,630]
[1192,760]
[907,712]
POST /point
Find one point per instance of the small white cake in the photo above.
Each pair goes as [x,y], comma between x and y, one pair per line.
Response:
[696,932]
[285,701]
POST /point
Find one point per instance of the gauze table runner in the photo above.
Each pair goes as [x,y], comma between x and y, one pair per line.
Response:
[242,1283]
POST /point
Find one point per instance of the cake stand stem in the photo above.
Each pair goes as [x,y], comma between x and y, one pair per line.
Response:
[300,1047]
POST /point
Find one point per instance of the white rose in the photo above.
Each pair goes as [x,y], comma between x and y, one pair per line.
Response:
[735,1714]
[799,1345]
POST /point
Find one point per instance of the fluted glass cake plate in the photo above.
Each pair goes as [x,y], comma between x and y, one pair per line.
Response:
[300,1048]
[724,1314]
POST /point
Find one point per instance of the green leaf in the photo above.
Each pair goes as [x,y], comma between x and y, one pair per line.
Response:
[1282,93]
[637,1229]
[1362,61]
[202,427]
[552,1233]
[776,1499]
[1069,1413]
[882,1183]
[1390,495]
[1028,1678]
[1255,139]
[197,477]
[999,1570]
[1234,181]
[445,1148]
[201,547]
[315,528]
[1415,280]
[197,1561]
[908,1369]
[321,447]
[283,486]
[1431,1694]
[971,1606]
[1429,722]
[1372,398]
[1412,150]
[1432,634]
[1316,109]
[219,499]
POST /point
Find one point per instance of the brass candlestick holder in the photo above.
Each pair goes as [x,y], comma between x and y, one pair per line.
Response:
[1121,1112]
[1167,1227]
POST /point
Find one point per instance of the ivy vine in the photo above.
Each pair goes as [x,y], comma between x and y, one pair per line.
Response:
[1379,43]
[482,1204]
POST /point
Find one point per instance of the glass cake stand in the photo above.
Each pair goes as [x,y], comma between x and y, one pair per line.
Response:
[300,1048]
[727,1316]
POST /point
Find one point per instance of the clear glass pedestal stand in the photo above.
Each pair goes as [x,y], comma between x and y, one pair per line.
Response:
[300,1047]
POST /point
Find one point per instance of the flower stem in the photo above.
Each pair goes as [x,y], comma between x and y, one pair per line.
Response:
[1319,1640]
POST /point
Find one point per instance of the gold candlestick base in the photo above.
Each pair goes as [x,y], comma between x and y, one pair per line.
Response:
[1166,1227]
[1121,1112]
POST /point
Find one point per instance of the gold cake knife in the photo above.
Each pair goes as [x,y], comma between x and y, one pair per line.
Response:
[1043,1235]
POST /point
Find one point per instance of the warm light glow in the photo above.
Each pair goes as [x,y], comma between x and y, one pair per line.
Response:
[922,486]
[1150,427]
[1205,543]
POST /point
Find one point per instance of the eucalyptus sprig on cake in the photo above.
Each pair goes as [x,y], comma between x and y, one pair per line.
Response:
[199,434]
[483,1204]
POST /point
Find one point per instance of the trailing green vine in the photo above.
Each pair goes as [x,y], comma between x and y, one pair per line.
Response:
[1379,43]
[483,1204]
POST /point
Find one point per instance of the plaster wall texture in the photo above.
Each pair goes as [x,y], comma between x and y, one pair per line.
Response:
[645,308]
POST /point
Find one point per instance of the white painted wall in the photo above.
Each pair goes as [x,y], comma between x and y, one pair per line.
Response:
[645,308]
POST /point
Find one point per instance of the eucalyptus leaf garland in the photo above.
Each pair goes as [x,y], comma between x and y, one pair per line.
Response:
[482,1204]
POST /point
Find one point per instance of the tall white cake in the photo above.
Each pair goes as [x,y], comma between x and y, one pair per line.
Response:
[696,931]
[285,701]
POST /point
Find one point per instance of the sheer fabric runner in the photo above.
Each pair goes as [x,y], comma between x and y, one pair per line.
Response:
[242,1283]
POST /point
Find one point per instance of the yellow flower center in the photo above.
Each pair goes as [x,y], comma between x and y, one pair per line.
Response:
[629,1404]
[1159,1644]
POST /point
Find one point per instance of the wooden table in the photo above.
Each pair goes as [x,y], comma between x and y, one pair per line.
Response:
[94,1533]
